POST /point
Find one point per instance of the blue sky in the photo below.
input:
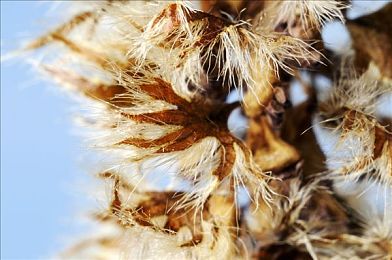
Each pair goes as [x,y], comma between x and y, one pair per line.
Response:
[39,155]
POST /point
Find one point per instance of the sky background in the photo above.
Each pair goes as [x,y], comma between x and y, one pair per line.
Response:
[41,165]
[39,155]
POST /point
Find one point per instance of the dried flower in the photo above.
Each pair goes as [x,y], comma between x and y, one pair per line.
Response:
[157,78]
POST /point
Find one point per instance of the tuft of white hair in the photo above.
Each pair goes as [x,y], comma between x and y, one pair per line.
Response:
[309,14]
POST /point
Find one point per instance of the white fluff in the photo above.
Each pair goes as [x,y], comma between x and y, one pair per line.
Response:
[309,14]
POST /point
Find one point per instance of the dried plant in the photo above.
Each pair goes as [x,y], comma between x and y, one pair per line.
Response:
[157,77]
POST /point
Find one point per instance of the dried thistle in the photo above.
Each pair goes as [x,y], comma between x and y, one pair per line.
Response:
[157,76]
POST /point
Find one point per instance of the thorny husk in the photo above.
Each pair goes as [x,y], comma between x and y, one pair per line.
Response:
[158,76]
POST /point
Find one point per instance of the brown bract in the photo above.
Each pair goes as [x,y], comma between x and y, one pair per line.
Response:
[170,16]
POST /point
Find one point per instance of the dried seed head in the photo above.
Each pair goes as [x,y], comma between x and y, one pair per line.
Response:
[355,143]
[148,120]
[205,48]
[304,215]
[141,115]
[145,225]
